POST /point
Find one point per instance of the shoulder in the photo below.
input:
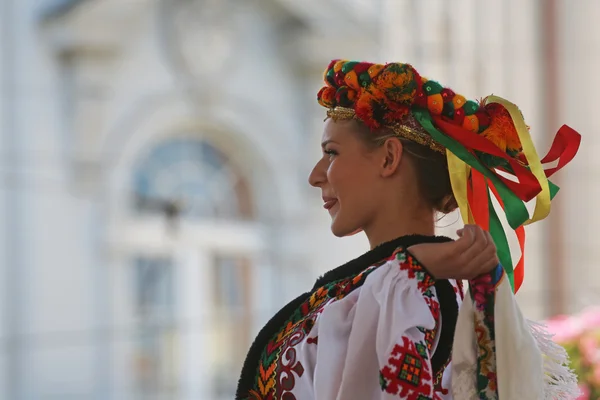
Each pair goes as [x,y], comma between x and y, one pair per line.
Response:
[402,270]
[396,288]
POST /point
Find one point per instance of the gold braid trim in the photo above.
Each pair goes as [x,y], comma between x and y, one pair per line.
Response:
[409,129]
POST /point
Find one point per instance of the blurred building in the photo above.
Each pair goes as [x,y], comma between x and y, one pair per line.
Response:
[155,156]
[542,56]
[154,197]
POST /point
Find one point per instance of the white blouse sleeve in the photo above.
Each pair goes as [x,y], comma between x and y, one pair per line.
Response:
[377,342]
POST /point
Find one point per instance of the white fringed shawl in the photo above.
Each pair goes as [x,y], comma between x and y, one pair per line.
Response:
[528,364]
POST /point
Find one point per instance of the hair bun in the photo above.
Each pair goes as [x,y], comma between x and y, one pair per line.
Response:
[447,204]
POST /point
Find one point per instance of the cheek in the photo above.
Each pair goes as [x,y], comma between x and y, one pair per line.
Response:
[338,175]
[350,181]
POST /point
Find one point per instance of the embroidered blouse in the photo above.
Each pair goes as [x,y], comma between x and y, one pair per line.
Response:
[381,327]
[378,327]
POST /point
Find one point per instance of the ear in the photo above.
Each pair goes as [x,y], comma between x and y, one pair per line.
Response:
[392,151]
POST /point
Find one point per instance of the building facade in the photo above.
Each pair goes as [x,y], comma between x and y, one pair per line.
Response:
[157,205]
[540,55]
[155,155]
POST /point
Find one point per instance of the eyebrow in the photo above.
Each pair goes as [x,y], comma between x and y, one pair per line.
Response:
[326,142]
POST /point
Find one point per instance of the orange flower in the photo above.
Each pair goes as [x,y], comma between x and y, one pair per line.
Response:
[374,70]
[396,114]
[471,123]
[502,130]
[371,108]
[351,80]
[435,104]
[326,97]
[458,101]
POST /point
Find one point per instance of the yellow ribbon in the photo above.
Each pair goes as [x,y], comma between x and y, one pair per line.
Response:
[542,203]
[459,175]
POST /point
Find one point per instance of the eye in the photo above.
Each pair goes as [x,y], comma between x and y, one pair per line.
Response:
[330,152]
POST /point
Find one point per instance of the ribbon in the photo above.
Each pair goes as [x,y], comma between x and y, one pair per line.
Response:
[472,180]
[564,148]
[516,212]
[516,274]
[526,188]
[542,204]
[501,242]
[459,172]
[478,199]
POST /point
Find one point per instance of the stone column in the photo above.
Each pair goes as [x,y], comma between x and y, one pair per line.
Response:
[193,277]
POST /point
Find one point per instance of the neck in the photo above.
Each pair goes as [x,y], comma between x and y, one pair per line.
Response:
[389,227]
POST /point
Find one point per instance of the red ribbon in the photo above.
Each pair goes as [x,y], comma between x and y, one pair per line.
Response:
[564,147]
[527,187]
[477,196]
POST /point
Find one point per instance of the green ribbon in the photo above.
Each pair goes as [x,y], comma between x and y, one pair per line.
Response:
[516,212]
[514,208]
[499,238]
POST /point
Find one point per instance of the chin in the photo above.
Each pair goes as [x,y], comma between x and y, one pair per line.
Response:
[341,230]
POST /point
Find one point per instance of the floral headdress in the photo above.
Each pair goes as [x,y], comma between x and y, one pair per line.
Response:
[484,142]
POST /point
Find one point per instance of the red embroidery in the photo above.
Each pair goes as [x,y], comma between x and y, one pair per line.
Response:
[279,368]
[408,373]
[430,334]
[289,367]
[459,289]
[434,307]
[415,270]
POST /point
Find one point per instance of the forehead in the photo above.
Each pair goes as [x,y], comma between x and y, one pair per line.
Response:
[338,130]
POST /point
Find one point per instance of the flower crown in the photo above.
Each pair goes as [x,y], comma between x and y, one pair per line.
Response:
[483,142]
[384,96]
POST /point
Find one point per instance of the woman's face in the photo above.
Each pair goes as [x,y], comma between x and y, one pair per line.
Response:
[348,176]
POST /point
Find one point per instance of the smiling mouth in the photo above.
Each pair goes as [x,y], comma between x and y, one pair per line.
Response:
[329,204]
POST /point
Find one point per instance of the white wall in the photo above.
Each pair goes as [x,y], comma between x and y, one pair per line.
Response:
[54,278]
[477,49]
[73,290]
[579,40]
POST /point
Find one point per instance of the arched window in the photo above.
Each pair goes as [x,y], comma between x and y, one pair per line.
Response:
[194,175]
[208,185]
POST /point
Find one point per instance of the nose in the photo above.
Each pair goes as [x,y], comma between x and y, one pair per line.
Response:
[318,175]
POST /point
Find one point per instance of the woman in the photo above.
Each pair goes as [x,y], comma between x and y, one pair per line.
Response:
[397,149]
